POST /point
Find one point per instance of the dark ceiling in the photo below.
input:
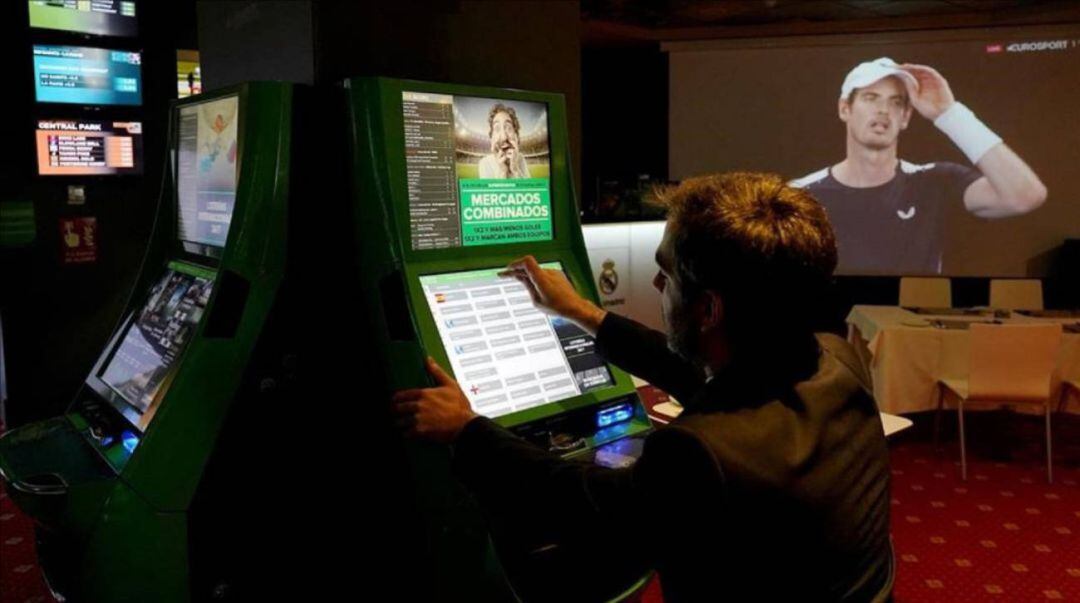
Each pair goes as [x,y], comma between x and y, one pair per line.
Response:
[667,14]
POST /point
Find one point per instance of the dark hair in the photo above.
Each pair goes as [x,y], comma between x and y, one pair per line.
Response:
[765,247]
[501,108]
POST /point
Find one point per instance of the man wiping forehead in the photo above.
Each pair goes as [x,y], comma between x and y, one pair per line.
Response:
[889,214]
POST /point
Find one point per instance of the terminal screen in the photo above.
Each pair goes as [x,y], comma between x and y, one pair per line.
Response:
[206,170]
[87,76]
[87,147]
[156,337]
[506,354]
[478,170]
[98,17]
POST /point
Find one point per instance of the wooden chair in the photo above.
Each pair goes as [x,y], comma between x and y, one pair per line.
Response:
[1008,363]
[922,292]
[1016,294]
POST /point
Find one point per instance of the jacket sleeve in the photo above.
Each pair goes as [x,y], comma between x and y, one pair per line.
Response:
[642,351]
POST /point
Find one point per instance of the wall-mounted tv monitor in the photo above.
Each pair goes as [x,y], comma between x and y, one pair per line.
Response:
[97,17]
[478,170]
[206,172]
[86,147]
[87,76]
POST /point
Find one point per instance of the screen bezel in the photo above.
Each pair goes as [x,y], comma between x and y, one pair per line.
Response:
[563,209]
[120,106]
[432,343]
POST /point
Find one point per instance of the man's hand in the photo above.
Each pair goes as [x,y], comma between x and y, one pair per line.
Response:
[553,293]
[933,96]
[434,413]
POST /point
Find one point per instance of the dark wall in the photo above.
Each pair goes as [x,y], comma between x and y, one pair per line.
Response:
[255,40]
[512,44]
[57,317]
[624,93]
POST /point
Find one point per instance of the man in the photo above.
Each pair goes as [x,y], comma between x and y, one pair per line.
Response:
[888,214]
[504,133]
[775,478]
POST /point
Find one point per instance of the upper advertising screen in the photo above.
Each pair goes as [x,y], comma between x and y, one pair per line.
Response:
[478,170]
[97,17]
[87,76]
[206,170]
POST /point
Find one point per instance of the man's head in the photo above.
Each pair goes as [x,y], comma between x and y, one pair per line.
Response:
[504,130]
[874,103]
[742,254]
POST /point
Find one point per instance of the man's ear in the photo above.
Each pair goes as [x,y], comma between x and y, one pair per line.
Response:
[711,310]
[907,116]
[843,109]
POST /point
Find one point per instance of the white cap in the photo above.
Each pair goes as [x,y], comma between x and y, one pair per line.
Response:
[871,71]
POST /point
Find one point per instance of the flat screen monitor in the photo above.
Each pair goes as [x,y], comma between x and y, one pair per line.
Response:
[206,172]
[87,76]
[87,147]
[507,355]
[96,17]
[478,170]
[155,338]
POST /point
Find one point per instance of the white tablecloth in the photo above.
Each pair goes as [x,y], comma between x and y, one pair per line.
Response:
[907,356]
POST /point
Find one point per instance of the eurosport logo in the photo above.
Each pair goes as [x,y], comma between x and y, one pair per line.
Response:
[1039,46]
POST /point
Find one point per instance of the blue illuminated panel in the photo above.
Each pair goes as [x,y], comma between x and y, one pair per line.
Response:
[614,415]
[87,76]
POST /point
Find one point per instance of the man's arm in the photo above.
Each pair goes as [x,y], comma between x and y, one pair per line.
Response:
[1009,187]
[642,351]
[623,342]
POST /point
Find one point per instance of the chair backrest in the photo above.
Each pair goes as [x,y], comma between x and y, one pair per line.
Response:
[925,292]
[1016,294]
[1012,362]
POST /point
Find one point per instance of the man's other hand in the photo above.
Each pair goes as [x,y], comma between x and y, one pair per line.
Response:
[436,413]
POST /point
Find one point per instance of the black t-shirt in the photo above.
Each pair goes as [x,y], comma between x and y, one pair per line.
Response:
[897,227]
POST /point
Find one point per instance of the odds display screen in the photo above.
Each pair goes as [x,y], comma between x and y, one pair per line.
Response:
[206,170]
[87,76]
[478,170]
[507,354]
[83,147]
[97,17]
[157,336]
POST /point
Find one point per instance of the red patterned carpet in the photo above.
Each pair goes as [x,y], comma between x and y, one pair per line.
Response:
[1004,535]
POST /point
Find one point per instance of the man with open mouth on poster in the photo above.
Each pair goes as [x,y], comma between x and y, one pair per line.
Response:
[504,131]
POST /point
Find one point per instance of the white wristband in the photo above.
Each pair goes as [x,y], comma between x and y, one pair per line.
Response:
[966,131]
